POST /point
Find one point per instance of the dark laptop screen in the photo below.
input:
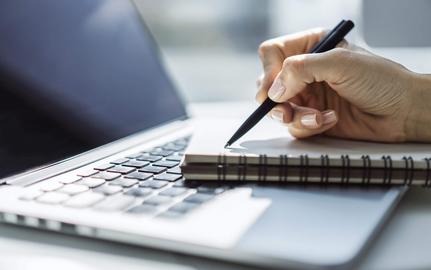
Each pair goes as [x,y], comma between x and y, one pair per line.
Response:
[89,64]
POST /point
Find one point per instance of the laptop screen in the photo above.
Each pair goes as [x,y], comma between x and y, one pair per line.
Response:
[90,65]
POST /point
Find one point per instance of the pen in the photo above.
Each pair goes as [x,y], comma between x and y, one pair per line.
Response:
[325,44]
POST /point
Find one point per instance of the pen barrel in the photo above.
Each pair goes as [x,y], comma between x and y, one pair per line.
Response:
[334,37]
[253,119]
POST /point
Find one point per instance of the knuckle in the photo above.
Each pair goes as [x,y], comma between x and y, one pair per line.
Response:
[259,97]
[256,97]
[269,46]
[345,58]
[258,83]
[264,47]
[295,64]
[342,54]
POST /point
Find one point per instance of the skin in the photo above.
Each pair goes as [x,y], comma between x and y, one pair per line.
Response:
[346,92]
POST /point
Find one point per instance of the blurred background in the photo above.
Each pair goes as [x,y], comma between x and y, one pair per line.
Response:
[210,47]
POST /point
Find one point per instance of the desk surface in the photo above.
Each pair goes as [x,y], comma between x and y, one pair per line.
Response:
[404,242]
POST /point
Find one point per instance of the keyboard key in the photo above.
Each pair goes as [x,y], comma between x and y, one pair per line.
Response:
[180,183]
[119,161]
[166,163]
[150,158]
[115,203]
[108,189]
[174,158]
[121,169]
[167,177]
[153,184]
[124,182]
[68,179]
[92,182]
[158,200]
[87,173]
[136,163]
[187,183]
[108,176]
[152,169]
[51,186]
[103,167]
[53,198]
[182,142]
[210,190]
[139,192]
[73,189]
[139,175]
[170,214]
[174,170]
[183,207]
[173,147]
[84,200]
[134,155]
[161,152]
[142,209]
[172,192]
[29,195]
[199,198]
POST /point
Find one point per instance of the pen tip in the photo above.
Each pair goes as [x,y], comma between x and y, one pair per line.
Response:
[226,145]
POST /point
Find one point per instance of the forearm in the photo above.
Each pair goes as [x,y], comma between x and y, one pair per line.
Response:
[418,124]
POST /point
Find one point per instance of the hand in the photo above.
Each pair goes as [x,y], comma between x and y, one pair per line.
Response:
[346,92]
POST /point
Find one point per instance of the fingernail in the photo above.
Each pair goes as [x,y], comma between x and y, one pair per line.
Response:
[277,115]
[309,120]
[329,117]
[276,90]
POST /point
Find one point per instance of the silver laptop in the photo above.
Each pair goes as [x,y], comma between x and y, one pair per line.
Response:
[109,170]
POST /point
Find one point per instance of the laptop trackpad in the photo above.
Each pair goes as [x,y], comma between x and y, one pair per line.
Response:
[317,225]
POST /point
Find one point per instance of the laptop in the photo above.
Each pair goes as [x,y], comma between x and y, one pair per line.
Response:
[92,69]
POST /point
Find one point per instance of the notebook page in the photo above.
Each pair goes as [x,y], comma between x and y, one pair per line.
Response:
[273,139]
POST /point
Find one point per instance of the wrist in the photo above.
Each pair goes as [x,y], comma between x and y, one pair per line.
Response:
[418,122]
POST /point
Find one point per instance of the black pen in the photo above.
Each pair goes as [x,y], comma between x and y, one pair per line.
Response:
[325,44]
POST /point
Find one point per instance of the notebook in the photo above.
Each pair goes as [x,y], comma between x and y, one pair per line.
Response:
[269,153]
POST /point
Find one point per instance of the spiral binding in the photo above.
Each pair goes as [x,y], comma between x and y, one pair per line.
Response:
[366,169]
[283,169]
[242,167]
[387,170]
[427,178]
[221,167]
[324,169]
[304,161]
[412,170]
[409,170]
[303,168]
[263,167]
[345,167]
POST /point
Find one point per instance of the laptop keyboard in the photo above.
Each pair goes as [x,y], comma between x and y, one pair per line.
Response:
[143,183]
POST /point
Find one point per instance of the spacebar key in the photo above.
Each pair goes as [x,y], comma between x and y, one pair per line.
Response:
[115,203]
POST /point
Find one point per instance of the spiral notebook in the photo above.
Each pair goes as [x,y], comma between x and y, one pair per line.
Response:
[269,153]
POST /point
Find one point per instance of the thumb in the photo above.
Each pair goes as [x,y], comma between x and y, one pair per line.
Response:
[300,70]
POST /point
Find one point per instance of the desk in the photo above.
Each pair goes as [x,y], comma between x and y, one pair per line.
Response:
[404,242]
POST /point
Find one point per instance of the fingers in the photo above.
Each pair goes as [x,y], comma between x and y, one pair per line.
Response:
[273,52]
[297,43]
[272,60]
[311,125]
[300,70]
[303,121]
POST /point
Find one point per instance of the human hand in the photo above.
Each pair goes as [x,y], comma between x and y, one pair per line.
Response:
[346,92]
